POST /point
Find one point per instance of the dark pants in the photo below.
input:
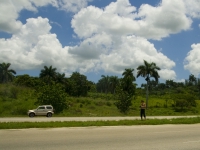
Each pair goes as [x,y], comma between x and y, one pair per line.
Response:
[142,113]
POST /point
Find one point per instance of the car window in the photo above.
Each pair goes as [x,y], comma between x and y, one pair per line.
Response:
[49,107]
[41,107]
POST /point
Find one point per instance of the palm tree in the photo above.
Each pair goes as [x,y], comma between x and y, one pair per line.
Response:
[6,74]
[114,81]
[128,74]
[60,78]
[128,79]
[147,71]
[126,91]
[106,82]
[99,86]
[48,74]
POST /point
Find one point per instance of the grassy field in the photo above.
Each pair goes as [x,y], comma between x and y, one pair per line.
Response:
[86,106]
[14,102]
[101,107]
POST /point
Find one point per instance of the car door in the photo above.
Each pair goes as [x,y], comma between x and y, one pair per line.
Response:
[40,110]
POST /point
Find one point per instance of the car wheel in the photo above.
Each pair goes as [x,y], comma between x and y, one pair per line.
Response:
[31,115]
[49,114]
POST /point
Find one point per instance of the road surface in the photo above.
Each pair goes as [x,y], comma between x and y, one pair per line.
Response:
[151,137]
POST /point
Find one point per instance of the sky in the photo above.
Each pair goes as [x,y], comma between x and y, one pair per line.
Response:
[101,37]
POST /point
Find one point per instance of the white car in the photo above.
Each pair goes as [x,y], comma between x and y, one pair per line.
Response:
[44,110]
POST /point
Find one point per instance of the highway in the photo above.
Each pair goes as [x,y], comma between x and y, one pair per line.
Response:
[145,137]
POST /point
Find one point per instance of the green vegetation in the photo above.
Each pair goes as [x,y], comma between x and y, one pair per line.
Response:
[147,71]
[110,96]
[6,74]
[21,125]
[16,100]
[54,95]
[126,90]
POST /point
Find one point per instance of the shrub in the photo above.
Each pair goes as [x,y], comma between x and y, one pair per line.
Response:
[108,103]
[185,101]
[124,102]
[14,92]
[54,95]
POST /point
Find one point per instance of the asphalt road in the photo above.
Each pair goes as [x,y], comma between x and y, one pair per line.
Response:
[157,137]
[45,119]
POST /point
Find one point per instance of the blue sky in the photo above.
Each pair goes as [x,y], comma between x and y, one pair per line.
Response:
[101,37]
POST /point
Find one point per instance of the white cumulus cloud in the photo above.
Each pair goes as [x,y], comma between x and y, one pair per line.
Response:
[192,60]
[192,8]
[73,5]
[169,17]
[111,38]
[10,9]
[34,46]
[113,54]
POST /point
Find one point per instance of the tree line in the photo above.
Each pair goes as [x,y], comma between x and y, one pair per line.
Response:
[76,85]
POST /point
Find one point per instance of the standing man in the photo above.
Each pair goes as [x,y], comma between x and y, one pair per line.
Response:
[142,110]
